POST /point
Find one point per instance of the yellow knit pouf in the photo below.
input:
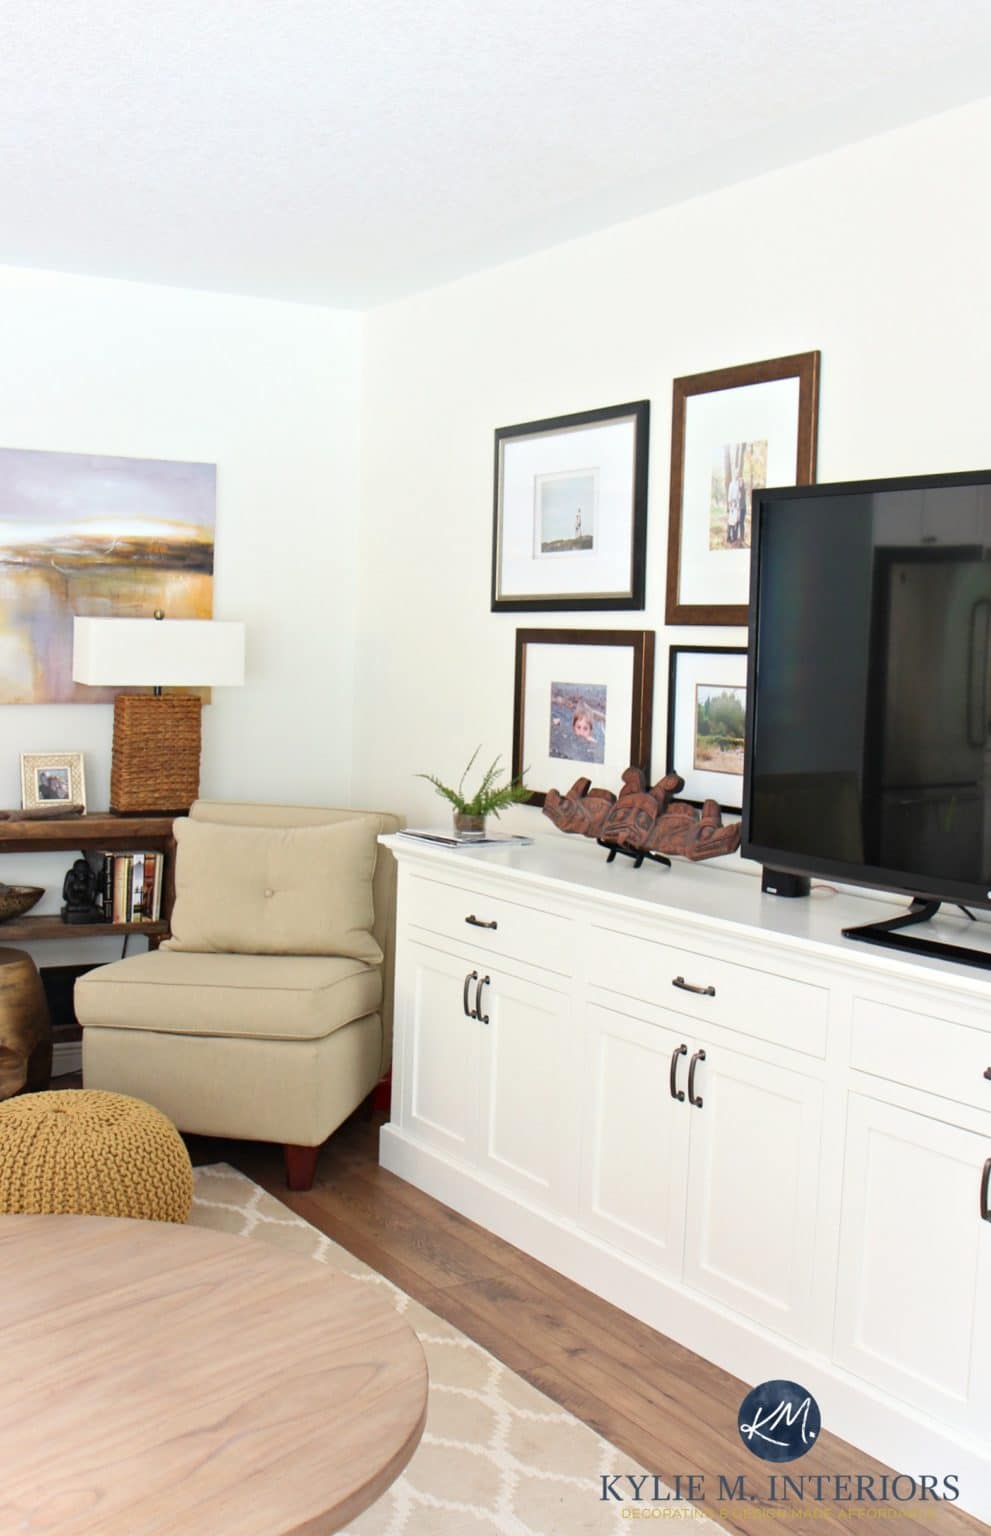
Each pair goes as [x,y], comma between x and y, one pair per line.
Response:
[88,1153]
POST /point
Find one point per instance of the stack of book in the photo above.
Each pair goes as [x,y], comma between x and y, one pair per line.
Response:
[130,887]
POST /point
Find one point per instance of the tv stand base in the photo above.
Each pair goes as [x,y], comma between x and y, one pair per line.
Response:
[888,935]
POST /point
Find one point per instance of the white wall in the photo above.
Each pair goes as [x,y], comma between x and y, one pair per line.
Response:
[876,255]
[267,391]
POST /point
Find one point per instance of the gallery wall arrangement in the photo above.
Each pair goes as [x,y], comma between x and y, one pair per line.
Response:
[94,536]
[570,532]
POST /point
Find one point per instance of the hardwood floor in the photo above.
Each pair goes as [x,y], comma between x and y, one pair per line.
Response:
[668,1410]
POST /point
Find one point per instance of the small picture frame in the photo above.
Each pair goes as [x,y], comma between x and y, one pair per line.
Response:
[569,526]
[733,431]
[707,711]
[52,779]
[582,706]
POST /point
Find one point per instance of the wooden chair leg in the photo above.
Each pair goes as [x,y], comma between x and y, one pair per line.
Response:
[301,1165]
[382,1094]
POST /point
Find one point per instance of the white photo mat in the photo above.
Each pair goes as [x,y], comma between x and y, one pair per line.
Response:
[692,674]
[752,413]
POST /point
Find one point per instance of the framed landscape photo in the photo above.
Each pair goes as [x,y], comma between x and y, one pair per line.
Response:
[52,779]
[707,711]
[569,525]
[582,706]
[733,431]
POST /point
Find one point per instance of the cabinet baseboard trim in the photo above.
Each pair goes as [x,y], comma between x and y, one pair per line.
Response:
[852,1410]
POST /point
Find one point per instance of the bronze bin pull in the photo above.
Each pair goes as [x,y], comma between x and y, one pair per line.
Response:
[693,1098]
[687,986]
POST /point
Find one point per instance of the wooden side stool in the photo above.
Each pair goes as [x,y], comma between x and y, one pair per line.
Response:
[25,1028]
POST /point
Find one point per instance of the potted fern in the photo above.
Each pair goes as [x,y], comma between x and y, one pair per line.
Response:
[489,798]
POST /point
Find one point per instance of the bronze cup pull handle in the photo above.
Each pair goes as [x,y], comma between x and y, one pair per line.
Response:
[985,1192]
[694,1098]
[687,986]
[676,1054]
[478,999]
[469,1013]
[477,922]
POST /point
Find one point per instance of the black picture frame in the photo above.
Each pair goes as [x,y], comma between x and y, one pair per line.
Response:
[576,601]
[675,652]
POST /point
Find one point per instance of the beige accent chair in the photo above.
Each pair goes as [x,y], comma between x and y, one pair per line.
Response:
[267,1047]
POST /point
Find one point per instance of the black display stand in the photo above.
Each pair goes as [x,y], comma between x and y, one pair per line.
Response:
[888,936]
[638,855]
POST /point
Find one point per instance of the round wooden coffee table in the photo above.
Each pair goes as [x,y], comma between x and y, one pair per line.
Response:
[160,1379]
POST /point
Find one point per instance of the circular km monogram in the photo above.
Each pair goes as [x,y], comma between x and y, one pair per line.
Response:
[779,1421]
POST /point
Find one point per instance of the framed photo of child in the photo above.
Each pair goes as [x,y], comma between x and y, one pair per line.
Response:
[582,706]
[734,431]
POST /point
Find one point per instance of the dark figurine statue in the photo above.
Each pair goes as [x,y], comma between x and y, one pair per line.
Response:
[79,893]
[644,822]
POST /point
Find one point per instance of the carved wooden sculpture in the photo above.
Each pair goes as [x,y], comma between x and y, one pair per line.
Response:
[644,821]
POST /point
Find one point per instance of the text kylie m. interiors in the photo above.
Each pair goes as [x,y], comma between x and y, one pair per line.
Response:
[818,1487]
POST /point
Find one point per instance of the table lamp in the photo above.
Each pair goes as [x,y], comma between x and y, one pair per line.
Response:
[156,753]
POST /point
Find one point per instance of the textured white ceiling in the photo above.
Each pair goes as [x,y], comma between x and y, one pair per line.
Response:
[346,151]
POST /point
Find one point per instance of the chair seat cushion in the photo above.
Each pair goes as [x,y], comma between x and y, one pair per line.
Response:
[270,997]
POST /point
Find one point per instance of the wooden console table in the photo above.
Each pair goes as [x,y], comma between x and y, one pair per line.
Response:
[76,834]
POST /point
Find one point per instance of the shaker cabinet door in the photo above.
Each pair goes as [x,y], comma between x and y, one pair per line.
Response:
[439,1062]
[635,1153]
[528,1127]
[915,1262]
[753,1181]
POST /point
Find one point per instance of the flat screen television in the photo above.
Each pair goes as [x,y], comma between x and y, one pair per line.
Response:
[868,757]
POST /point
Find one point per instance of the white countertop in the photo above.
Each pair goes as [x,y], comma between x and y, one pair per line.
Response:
[720,894]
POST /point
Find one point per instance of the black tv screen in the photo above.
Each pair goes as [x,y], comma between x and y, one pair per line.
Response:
[869,714]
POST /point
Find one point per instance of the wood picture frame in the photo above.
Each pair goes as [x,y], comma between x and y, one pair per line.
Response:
[613,743]
[52,779]
[692,533]
[721,778]
[545,557]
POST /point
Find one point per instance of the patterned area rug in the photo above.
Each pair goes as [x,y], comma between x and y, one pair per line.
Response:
[496,1455]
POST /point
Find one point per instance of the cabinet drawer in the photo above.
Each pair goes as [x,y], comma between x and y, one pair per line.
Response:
[921,1051]
[543,939]
[756,1003]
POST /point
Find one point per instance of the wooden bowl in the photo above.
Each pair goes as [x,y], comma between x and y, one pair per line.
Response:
[15,900]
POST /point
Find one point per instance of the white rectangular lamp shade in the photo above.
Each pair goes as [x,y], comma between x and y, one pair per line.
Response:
[157,653]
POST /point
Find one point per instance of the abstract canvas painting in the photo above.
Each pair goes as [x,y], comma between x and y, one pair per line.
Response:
[102,538]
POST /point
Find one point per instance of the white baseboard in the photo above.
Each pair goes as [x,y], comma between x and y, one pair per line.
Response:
[885,1429]
[67,1056]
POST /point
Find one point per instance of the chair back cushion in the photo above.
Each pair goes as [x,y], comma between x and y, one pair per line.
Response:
[230,813]
[276,890]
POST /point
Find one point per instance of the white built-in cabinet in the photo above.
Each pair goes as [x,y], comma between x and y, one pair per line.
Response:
[701,1103]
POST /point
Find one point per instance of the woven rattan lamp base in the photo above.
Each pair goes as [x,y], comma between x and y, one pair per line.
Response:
[156,755]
